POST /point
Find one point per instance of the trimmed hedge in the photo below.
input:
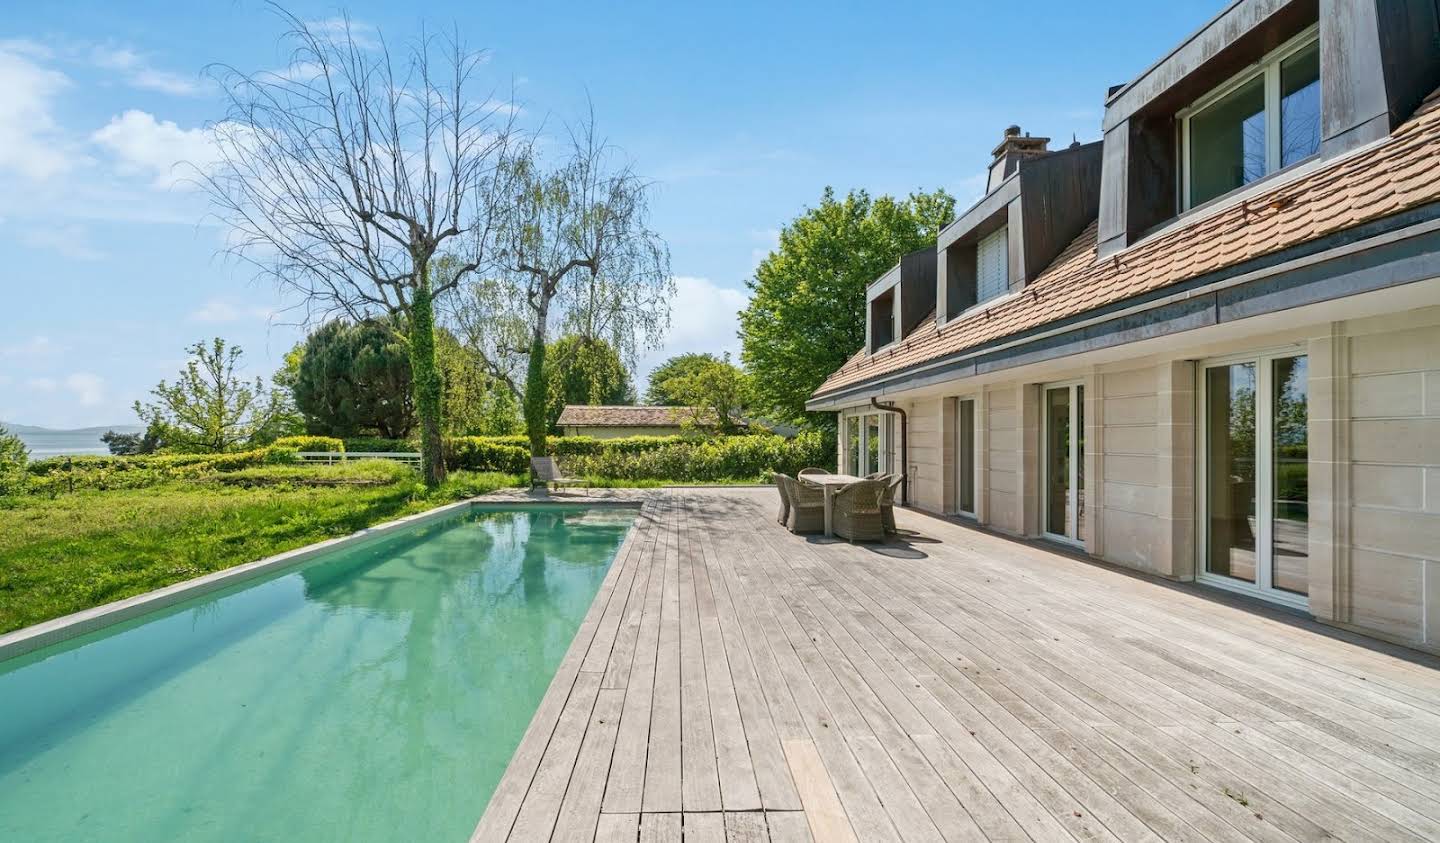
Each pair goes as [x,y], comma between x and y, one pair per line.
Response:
[680,459]
[480,453]
[327,444]
[380,445]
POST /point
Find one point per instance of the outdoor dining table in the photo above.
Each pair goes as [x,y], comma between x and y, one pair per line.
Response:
[831,483]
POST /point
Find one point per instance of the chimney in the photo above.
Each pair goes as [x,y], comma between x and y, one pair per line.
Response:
[1013,148]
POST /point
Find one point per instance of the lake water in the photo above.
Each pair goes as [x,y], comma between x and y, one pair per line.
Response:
[60,443]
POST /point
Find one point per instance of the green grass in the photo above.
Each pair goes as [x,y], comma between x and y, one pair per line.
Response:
[74,551]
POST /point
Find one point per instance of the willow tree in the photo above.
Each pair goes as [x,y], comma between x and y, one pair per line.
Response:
[344,177]
[573,249]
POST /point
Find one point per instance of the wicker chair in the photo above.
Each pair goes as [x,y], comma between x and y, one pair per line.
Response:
[856,511]
[805,471]
[887,501]
[779,480]
[879,475]
[807,506]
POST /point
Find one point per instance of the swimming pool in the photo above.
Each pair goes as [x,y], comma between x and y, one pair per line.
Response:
[374,692]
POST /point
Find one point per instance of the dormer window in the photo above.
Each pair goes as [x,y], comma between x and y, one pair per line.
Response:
[992,266]
[1263,120]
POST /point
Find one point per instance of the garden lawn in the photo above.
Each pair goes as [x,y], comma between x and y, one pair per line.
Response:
[79,550]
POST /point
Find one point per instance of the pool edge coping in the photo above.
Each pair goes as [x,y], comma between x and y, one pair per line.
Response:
[37,636]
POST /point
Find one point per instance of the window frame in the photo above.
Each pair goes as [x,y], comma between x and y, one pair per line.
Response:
[1267,67]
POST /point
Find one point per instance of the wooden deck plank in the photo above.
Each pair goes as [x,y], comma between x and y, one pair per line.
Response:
[625,786]
[660,828]
[738,788]
[700,776]
[961,686]
[580,810]
[663,764]
[788,827]
[767,760]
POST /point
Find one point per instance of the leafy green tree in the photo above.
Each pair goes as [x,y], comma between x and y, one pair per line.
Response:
[716,391]
[806,315]
[583,371]
[476,403]
[13,458]
[660,392]
[354,378]
[209,408]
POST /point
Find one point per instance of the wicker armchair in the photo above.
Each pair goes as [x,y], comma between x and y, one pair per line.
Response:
[807,506]
[856,510]
[805,471]
[779,480]
[887,501]
[879,475]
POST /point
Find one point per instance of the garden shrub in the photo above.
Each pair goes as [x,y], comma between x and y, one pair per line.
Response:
[327,444]
[380,445]
[709,460]
[64,474]
[479,453]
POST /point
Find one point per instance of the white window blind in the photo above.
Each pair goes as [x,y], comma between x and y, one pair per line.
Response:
[992,265]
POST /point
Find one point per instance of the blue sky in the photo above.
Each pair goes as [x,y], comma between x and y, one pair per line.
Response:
[742,112]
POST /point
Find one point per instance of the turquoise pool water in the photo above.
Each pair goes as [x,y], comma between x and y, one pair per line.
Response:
[375,693]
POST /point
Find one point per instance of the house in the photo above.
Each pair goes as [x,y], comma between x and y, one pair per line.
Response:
[614,421]
[1207,346]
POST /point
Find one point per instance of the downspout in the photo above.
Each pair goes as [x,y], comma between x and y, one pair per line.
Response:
[904,447]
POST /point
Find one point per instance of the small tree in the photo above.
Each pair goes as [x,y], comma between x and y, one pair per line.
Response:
[583,371]
[344,180]
[716,393]
[660,391]
[209,408]
[13,458]
[353,379]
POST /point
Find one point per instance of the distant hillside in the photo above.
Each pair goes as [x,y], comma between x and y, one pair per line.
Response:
[98,430]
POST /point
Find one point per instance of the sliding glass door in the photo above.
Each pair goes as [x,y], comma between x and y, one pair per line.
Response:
[1062,479]
[1254,473]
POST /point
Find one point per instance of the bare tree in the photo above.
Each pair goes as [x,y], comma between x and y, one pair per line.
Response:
[573,244]
[344,177]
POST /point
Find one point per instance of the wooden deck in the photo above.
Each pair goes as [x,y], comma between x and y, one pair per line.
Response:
[735,682]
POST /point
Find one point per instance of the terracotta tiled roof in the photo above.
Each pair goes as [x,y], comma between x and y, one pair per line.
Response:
[1390,177]
[587,415]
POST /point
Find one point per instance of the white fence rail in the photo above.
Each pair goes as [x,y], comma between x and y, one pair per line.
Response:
[330,457]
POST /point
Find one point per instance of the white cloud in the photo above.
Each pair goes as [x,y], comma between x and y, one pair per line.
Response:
[138,72]
[225,310]
[89,389]
[703,318]
[70,241]
[42,384]
[30,141]
[159,149]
